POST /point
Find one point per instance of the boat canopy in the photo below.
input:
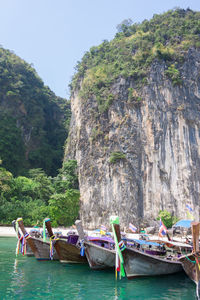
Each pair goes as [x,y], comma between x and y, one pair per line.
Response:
[143,242]
[34,229]
[178,244]
[101,239]
[183,223]
[99,231]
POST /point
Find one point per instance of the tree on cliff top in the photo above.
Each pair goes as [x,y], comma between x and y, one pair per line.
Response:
[131,53]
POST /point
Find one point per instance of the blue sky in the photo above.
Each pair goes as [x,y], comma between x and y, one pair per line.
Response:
[54,34]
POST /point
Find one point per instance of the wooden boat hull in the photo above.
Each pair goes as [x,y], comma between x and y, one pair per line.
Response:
[29,252]
[41,249]
[69,253]
[137,263]
[99,257]
[191,262]
[192,270]
[189,267]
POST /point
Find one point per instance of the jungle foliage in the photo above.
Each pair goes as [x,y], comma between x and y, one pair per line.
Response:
[33,120]
[130,54]
[37,196]
[168,219]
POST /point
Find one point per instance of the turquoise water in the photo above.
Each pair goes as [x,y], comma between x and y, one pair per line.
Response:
[26,278]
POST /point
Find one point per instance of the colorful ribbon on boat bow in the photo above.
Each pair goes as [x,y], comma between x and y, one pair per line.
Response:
[51,246]
[44,229]
[18,245]
[23,246]
[122,246]
[52,242]
[82,253]
[197,260]
[21,239]
[119,268]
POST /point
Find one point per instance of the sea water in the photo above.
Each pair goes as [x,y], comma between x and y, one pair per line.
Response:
[24,277]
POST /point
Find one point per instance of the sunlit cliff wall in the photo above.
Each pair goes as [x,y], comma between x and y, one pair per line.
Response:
[159,135]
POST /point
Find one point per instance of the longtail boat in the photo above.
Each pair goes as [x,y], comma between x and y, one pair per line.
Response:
[138,263]
[39,247]
[191,262]
[174,248]
[28,251]
[149,247]
[67,247]
[100,252]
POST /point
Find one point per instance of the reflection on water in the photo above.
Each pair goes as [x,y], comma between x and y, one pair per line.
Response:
[26,278]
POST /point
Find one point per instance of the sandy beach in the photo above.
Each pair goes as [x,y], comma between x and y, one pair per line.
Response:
[7,231]
[10,232]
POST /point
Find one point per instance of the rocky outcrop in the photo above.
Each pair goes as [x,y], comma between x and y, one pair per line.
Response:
[159,135]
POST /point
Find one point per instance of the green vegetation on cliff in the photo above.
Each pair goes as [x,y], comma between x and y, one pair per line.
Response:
[116,156]
[33,120]
[130,54]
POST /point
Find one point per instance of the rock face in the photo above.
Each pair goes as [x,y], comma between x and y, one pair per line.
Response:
[160,137]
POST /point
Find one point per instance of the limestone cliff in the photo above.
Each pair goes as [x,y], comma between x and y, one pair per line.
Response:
[156,133]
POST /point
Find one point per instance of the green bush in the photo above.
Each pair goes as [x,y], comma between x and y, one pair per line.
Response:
[174,75]
[39,196]
[167,218]
[64,208]
[116,156]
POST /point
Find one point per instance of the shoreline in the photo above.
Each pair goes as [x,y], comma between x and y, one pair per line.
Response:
[6,231]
